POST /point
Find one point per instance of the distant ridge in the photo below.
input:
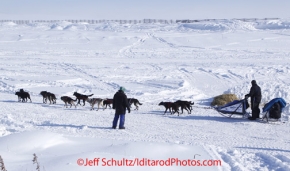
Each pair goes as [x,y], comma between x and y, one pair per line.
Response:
[133,21]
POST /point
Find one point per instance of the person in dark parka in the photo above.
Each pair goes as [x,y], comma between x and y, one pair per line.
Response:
[256,96]
[120,104]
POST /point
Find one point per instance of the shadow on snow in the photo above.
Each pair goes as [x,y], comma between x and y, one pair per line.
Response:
[72,126]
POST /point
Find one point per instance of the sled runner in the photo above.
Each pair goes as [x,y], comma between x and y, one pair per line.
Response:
[236,107]
[273,109]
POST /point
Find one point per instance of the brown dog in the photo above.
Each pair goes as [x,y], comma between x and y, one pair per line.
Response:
[68,100]
[171,106]
[107,102]
[80,97]
[47,95]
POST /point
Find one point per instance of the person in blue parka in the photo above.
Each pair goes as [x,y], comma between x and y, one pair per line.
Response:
[120,104]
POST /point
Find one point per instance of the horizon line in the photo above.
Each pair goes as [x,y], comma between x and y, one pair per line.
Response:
[132,20]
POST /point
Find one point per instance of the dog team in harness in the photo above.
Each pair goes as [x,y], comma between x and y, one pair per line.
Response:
[271,110]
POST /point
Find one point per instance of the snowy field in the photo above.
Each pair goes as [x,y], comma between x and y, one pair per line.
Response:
[154,62]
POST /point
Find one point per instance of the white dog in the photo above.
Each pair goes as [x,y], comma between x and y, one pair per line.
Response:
[94,101]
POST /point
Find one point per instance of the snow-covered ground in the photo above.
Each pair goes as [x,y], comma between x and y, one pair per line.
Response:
[154,62]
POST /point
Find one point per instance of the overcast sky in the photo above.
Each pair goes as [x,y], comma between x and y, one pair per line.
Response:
[143,9]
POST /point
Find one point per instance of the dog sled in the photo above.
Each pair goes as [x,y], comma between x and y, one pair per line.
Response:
[236,107]
[273,110]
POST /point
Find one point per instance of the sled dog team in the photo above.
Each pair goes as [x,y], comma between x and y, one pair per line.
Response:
[47,96]
[172,107]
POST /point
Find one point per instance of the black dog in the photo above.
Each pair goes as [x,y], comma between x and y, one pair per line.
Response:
[23,95]
[47,95]
[68,100]
[171,106]
[80,97]
[185,105]
[135,102]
